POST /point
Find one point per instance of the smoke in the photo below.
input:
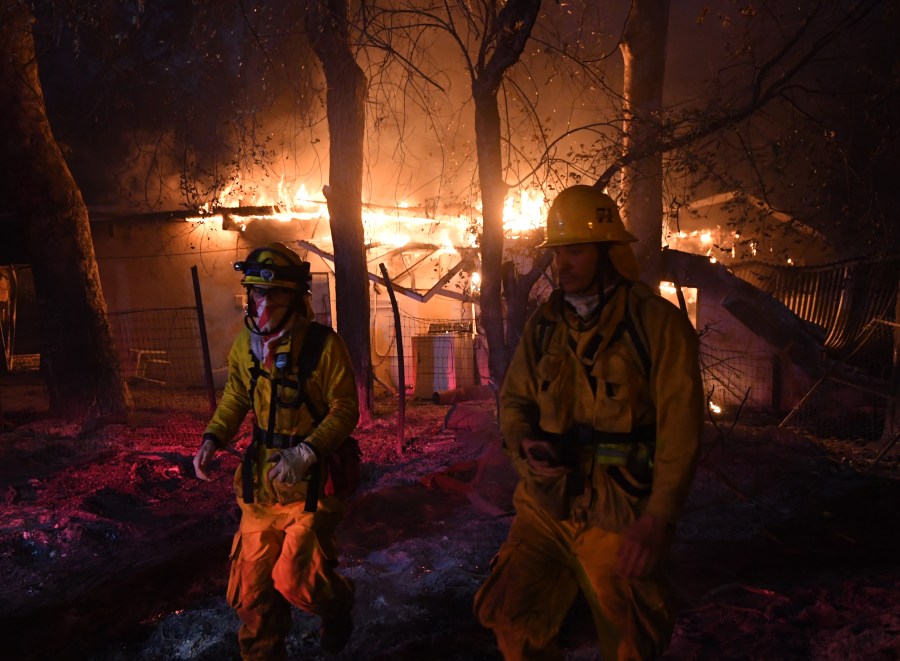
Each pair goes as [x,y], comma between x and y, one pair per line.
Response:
[171,105]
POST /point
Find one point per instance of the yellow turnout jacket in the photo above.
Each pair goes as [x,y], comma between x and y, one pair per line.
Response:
[331,388]
[596,378]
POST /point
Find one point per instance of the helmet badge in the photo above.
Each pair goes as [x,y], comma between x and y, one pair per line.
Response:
[560,223]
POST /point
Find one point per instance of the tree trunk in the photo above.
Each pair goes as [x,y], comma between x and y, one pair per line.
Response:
[493,196]
[78,359]
[345,106]
[505,36]
[644,51]
[516,290]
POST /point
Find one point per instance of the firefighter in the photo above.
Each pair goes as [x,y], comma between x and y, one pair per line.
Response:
[601,413]
[284,551]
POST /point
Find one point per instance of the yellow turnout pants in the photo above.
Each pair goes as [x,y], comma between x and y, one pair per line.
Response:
[283,556]
[537,574]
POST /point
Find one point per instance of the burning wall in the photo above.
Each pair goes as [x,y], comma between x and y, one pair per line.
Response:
[145,263]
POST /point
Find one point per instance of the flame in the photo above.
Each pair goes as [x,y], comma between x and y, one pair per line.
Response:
[396,227]
[523,212]
[715,408]
[475,282]
[668,291]
[667,288]
[447,247]
[697,241]
[392,227]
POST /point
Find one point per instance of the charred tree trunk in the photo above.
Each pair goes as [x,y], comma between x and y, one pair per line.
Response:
[78,359]
[505,35]
[345,106]
[644,51]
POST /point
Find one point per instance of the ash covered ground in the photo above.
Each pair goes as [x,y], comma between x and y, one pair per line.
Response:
[111,550]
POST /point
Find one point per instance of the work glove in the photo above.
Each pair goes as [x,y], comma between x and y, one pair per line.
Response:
[292,464]
[207,449]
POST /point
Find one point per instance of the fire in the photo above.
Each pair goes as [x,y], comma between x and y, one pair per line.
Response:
[707,242]
[523,212]
[668,291]
[406,225]
[388,227]
[475,282]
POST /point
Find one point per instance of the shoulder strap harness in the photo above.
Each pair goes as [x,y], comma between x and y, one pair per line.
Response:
[544,327]
[307,359]
[630,325]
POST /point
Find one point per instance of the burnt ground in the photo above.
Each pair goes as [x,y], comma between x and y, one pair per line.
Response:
[111,550]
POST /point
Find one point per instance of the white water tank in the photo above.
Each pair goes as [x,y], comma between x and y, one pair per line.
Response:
[443,361]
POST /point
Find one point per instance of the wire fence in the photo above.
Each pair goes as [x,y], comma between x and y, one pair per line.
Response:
[438,355]
[161,357]
[159,346]
[856,399]
[734,378]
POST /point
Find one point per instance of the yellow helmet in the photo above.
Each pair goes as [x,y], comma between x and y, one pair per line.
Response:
[584,214]
[275,265]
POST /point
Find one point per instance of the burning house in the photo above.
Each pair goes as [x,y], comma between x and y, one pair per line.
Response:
[431,260]
[146,261]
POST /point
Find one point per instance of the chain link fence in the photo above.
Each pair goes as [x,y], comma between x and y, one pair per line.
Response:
[855,399]
[159,346]
[438,355]
[161,357]
[739,379]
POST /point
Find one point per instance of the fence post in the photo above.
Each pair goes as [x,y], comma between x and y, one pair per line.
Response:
[401,369]
[204,343]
